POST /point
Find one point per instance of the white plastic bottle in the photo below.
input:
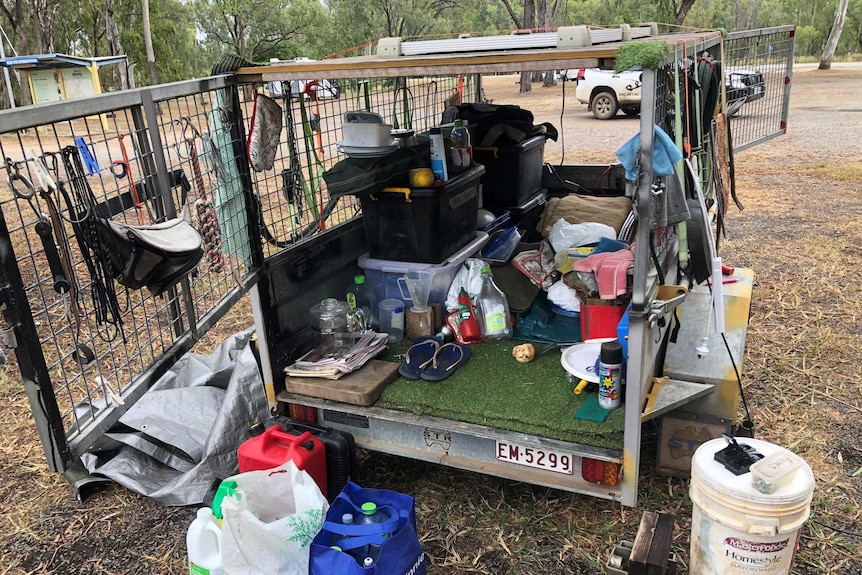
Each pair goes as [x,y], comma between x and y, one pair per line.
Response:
[203,542]
[438,155]
[462,151]
[494,319]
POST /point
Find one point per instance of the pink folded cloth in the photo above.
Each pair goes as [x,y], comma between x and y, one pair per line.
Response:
[611,271]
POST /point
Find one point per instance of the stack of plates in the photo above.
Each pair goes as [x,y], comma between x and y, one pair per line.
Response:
[363,152]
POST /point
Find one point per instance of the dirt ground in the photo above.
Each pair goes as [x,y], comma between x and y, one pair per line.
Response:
[799,232]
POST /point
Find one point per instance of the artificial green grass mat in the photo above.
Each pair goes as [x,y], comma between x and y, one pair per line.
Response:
[493,389]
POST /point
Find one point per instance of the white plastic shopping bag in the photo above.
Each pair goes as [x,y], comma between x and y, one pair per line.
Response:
[270,520]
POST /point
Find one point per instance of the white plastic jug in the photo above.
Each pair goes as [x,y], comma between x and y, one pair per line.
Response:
[203,541]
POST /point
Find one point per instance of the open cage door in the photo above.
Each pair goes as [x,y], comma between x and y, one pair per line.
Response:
[758,67]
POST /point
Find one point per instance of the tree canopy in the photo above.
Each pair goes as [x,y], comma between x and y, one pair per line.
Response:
[188,36]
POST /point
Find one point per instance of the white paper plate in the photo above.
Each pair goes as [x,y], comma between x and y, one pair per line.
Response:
[580,359]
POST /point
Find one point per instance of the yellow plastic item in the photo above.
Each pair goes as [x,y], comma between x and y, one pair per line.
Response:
[405,191]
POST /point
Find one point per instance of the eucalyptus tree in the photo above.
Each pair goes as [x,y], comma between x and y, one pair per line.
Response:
[834,36]
[252,29]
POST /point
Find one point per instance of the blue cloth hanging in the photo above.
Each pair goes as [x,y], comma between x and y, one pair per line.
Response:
[664,155]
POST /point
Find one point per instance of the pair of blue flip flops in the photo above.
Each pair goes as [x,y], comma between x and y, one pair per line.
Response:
[430,359]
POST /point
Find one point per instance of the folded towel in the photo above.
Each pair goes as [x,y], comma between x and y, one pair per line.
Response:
[610,270]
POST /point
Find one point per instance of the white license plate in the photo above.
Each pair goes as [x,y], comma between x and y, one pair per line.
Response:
[537,457]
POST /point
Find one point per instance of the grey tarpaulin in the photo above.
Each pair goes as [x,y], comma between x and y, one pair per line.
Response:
[184,432]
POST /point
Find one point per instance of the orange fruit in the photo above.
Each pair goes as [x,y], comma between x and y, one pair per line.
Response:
[421,178]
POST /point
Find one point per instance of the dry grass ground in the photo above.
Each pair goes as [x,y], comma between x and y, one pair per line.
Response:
[800,232]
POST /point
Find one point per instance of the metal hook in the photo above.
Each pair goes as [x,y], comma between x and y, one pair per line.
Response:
[28,192]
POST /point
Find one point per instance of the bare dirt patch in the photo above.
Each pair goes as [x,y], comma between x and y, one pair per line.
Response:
[799,232]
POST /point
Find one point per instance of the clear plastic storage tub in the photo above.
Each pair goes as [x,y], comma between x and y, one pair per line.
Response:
[383,274]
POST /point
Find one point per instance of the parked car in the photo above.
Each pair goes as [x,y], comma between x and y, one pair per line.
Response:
[326,88]
[605,92]
[743,85]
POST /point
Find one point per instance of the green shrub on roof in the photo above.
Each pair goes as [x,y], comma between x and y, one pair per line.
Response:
[649,54]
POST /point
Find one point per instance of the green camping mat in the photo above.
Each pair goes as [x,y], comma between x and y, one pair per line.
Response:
[493,389]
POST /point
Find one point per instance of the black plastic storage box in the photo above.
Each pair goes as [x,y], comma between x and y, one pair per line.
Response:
[423,224]
[513,174]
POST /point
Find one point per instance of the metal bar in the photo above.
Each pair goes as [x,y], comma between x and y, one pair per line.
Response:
[55,112]
[760,32]
[165,202]
[31,359]
[638,334]
[190,87]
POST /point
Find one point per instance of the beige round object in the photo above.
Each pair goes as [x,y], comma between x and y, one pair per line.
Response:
[524,353]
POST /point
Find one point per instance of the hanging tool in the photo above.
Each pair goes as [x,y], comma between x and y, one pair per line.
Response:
[288,188]
[43,226]
[82,209]
[311,152]
[59,260]
[407,114]
[126,171]
[204,207]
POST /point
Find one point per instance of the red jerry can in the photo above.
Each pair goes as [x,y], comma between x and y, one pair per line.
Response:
[276,446]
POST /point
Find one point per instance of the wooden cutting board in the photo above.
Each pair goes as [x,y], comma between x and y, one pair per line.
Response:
[360,387]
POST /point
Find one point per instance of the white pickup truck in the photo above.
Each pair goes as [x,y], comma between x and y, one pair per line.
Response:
[605,92]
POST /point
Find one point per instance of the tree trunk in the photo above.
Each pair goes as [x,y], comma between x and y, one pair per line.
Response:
[23,82]
[121,80]
[529,22]
[44,12]
[148,43]
[682,12]
[834,36]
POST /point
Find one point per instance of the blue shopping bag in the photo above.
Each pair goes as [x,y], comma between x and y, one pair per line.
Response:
[400,552]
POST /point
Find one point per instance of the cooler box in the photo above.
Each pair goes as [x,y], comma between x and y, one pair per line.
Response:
[513,174]
[424,225]
[383,274]
[276,446]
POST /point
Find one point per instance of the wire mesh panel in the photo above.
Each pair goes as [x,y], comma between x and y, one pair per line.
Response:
[159,160]
[758,65]
[293,199]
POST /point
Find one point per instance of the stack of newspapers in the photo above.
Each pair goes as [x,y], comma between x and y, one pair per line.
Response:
[318,363]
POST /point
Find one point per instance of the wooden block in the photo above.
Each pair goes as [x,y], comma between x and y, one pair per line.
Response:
[651,548]
[361,387]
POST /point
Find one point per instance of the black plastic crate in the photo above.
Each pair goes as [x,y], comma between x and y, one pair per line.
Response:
[423,224]
[513,174]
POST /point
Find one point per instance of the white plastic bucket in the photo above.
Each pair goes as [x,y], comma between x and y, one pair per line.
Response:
[737,529]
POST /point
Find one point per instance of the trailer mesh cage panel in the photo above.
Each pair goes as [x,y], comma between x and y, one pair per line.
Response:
[758,68]
[294,203]
[88,347]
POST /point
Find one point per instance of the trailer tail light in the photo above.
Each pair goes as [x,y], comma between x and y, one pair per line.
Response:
[302,413]
[601,472]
